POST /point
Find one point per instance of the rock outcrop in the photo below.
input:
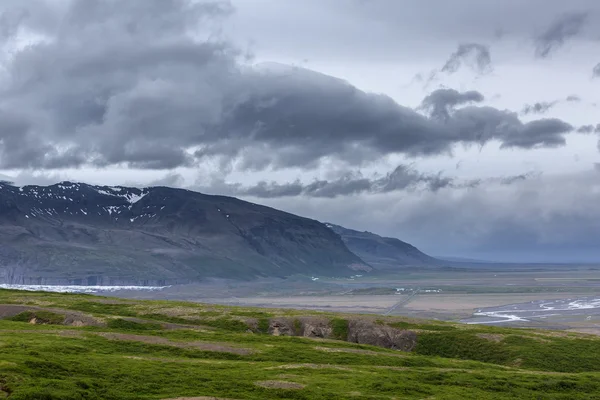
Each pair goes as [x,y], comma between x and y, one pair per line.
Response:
[362,331]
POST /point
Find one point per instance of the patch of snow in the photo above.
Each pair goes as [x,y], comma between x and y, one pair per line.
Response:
[79,289]
[134,198]
[105,192]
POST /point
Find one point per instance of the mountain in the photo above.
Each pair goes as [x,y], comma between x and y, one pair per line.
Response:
[82,234]
[382,252]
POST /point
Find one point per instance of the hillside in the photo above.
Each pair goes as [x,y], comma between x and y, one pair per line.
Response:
[383,252]
[68,347]
[84,234]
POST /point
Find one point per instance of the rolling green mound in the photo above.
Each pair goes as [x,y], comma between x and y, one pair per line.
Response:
[65,346]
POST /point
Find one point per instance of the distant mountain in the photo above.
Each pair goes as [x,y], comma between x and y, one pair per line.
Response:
[79,233]
[382,252]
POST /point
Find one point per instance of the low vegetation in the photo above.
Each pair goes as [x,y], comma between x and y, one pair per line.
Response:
[169,350]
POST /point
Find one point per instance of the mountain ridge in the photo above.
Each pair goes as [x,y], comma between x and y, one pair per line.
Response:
[382,252]
[86,234]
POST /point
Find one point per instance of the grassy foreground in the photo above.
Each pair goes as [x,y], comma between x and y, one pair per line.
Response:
[59,346]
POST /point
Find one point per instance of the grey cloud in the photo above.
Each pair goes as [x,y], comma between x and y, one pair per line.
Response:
[589,129]
[474,55]
[128,84]
[171,179]
[596,71]
[559,32]
[540,133]
[538,108]
[532,219]
[400,31]
[403,178]
[442,101]
[543,107]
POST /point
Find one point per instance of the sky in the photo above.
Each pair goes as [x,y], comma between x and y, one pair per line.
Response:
[467,128]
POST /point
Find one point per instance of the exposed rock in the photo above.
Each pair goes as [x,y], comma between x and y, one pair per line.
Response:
[315,327]
[282,327]
[367,332]
[280,385]
[73,318]
[360,331]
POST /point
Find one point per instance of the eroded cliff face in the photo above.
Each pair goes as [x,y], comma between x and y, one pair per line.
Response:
[355,330]
[73,233]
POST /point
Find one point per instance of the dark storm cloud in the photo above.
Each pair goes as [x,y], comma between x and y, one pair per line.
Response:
[564,28]
[150,84]
[474,55]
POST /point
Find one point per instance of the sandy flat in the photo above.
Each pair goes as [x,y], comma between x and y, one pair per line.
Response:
[470,302]
[348,303]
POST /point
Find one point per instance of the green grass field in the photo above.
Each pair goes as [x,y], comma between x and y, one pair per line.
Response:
[85,347]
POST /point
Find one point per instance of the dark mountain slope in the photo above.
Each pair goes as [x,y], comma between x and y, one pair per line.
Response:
[382,252]
[78,233]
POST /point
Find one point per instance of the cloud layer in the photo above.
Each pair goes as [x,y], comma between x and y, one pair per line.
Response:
[148,84]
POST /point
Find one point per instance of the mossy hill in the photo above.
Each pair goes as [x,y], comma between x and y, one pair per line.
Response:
[68,347]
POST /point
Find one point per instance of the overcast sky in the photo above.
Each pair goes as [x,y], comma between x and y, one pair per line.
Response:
[467,128]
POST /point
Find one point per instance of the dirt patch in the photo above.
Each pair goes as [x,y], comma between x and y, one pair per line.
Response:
[176,360]
[492,337]
[169,325]
[166,342]
[73,318]
[586,331]
[112,301]
[310,366]
[66,333]
[280,385]
[181,312]
[358,351]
